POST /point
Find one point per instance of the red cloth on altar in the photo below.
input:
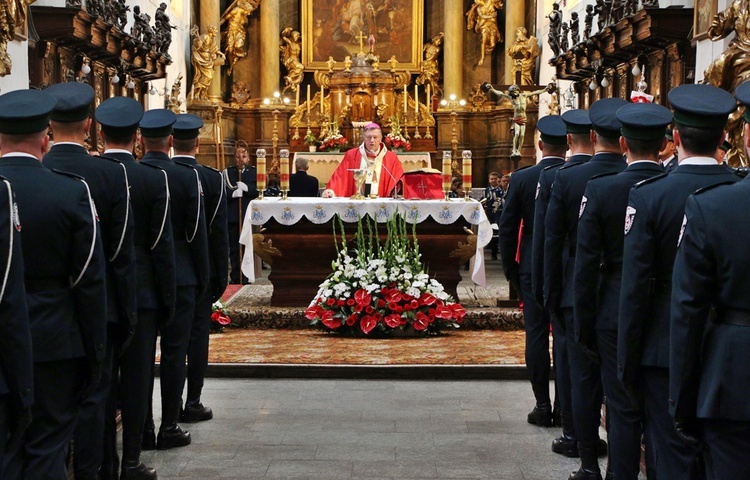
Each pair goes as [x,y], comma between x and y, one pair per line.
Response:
[423,184]
[342,180]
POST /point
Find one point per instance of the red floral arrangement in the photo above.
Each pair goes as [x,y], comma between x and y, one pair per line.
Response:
[397,142]
[219,317]
[379,289]
[334,142]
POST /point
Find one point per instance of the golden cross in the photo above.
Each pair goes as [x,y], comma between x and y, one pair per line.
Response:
[361,38]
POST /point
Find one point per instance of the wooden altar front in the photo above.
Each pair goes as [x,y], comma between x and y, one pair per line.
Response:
[296,239]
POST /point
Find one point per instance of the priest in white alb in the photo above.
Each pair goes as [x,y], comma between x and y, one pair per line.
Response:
[383,167]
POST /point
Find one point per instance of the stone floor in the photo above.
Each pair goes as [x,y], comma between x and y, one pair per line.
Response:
[364,429]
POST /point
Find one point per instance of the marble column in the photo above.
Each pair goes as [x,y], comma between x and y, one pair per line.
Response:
[269,48]
[211,17]
[453,51]
[514,18]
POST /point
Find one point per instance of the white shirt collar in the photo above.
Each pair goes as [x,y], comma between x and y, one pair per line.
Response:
[20,154]
[68,143]
[117,150]
[642,161]
[699,161]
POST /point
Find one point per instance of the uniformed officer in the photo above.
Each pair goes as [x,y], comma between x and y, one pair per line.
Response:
[186,131]
[16,364]
[107,179]
[191,264]
[580,144]
[65,284]
[154,253]
[652,226]
[241,188]
[598,270]
[667,156]
[710,325]
[723,149]
[518,210]
[560,231]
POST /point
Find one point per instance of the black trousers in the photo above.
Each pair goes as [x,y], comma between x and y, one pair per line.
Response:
[175,338]
[197,353]
[235,273]
[624,419]
[57,398]
[562,371]
[536,325]
[673,458]
[728,444]
[586,388]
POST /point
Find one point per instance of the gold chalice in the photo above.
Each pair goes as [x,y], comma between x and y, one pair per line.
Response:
[360,175]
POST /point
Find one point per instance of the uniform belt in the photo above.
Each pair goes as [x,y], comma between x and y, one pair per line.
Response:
[45,284]
[611,268]
[740,318]
[661,285]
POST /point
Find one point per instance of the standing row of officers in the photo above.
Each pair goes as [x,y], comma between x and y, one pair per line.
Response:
[642,275]
[98,255]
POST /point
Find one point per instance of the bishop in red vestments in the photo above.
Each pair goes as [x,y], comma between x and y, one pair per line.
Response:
[384,167]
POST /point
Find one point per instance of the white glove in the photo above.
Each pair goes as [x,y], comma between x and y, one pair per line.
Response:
[242,186]
[237,193]
[328,193]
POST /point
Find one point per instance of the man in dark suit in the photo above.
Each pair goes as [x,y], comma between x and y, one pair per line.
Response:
[186,131]
[154,253]
[191,264]
[300,183]
[580,144]
[240,187]
[65,285]
[108,183]
[708,388]
[667,157]
[16,363]
[598,269]
[518,210]
[560,230]
[652,228]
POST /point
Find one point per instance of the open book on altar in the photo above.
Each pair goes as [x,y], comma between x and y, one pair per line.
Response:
[424,183]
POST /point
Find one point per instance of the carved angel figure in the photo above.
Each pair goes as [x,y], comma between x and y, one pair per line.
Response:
[291,49]
[482,17]
[528,46]
[234,38]
[430,74]
[205,55]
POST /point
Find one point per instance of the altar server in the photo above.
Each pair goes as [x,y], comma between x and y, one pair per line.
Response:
[652,229]
[65,285]
[240,187]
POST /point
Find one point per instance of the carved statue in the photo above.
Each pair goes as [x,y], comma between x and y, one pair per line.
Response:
[519,100]
[528,46]
[588,22]
[12,17]
[234,38]
[482,17]
[173,101]
[291,49]
[121,14]
[555,25]
[732,67]
[564,44]
[575,33]
[430,73]
[205,55]
[330,64]
[163,30]
[347,63]
[393,62]
[141,30]
[95,8]
[602,12]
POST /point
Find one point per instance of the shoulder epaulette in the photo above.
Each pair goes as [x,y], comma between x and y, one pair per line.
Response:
[522,168]
[571,165]
[110,159]
[605,174]
[151,165]
[650,180]
[187,165]
[741,172]
[210,168]
[709,187]
[557,165]
[68,174]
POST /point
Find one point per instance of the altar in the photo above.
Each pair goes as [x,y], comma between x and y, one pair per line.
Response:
[295,237]
[322,164]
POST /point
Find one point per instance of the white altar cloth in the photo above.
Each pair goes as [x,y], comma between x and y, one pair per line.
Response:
[322,210]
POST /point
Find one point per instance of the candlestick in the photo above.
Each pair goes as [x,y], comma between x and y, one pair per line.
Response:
[447,172]
[466,171]
[308,104]
[406,96]
[322,97]
[261,170]
[416,103]
[284,167]
[429,98]
[296,100]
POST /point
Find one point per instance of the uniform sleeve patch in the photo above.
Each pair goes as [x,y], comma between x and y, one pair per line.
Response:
[584,201]
[629,219]
[682,229]
[538,187]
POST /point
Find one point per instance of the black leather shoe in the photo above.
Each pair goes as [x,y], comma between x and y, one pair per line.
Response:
[172,437]
[565,445]
[195,413]
[585,474]
[138,472]
[540,416]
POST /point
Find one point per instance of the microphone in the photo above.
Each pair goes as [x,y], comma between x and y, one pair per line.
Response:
[395,182]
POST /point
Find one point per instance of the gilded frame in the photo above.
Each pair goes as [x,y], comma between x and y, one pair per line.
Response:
[703,14]
[326,33]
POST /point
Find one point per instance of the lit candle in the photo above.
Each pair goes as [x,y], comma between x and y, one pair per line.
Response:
[308,103]
[261,169]
[466,173]
[447,171]
[429,98]
[322,98]
[284,175]
[406,99]
[416,101]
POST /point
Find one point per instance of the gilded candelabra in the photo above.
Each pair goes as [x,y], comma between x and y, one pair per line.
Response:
[453,103]
[275,142]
